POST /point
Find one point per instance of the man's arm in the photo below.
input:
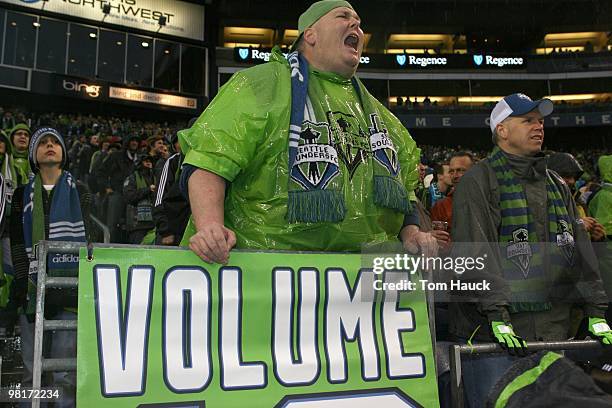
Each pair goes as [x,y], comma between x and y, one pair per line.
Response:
[414,240]
[213,241]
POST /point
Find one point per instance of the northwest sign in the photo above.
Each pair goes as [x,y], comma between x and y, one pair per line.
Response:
[181,19]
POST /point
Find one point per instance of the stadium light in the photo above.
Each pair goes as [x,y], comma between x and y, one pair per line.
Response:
[478,99]
[585,35]
[249,35]
[289,36]
[106,8]
[573,97]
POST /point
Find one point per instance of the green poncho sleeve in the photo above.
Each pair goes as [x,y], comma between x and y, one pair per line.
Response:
[229,133]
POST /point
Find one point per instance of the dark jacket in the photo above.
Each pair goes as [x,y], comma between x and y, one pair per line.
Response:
[565,165]
[171,212]
[476,223]
[118,167]
[97,171]
[137,197]
[83,161]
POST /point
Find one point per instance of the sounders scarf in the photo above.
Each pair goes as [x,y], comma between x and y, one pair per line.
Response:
[10,180]
[435,193]
[65,220]
[21,164]
[523,266]
[7,168]
[316,194]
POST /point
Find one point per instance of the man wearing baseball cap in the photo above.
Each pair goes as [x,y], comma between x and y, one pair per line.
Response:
[521,217]
[296,154]
[53,207]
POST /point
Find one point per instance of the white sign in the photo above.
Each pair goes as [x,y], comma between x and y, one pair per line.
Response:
[426,61]
[243,53]
[497,61]
[181,19]
[136,95]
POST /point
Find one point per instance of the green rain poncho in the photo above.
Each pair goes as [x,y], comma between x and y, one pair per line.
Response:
[600,205]
[243,137]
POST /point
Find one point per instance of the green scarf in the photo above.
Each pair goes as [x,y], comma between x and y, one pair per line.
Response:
[316,140]
[140,181]
[523,263]
[21,163]
[145,206]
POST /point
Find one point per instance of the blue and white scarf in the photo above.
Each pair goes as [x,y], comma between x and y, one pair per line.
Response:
[65,221]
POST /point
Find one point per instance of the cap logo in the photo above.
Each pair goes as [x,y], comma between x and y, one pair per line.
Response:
[523,96]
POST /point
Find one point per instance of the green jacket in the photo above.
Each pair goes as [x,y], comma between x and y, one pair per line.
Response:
[20,159]
[600,206]
[243,137]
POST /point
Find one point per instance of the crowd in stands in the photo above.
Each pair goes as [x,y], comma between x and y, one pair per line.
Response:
[111,155]
[70,177]
[403,105]
[128,173]
[439,175]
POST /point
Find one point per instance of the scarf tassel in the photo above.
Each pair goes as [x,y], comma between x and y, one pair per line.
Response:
[390,193]
[517,307]
[315,206]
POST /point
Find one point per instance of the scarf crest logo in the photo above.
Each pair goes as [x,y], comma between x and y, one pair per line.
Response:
[565,240]
[518,250]
[382,146]
[349,139]
[316,164]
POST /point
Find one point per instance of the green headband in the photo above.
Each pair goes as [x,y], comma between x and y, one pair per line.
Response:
[315,12]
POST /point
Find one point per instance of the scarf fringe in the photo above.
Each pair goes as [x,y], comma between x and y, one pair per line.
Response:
[323,200]
[517,307]
[315,206]
[389,193]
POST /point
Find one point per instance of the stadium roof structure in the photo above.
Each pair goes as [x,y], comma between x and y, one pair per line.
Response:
[518,24]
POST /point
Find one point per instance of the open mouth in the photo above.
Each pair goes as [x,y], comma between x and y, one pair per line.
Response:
[538,138]
[352,41]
